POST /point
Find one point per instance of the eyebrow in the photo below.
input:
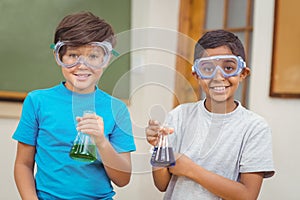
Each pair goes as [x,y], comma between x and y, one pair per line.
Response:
[230,60]
[71,48]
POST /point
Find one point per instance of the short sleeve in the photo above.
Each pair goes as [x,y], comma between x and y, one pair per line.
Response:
[257,153]
[122,137]
[27,128]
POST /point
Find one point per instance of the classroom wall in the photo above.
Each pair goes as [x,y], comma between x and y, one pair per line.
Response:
[152,84]
[9,113]
[281,114]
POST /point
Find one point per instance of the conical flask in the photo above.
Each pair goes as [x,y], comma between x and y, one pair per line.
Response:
[163,155]
[84,148]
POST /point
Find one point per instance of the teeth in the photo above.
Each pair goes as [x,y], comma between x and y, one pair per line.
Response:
[82,75]
[219,88]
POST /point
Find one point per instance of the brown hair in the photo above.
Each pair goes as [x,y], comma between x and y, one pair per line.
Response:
[83,28]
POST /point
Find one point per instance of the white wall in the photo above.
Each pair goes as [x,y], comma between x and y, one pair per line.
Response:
[9,113]
[153,35]
[283,115]
[156,64]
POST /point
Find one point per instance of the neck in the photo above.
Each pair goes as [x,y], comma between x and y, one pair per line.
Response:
[220,107]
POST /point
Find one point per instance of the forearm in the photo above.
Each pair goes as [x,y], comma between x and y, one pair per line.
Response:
[25,182]
[117,165]
[161,177]
[223,187]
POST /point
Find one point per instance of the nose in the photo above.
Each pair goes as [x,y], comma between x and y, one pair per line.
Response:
[81,63]
[218,74]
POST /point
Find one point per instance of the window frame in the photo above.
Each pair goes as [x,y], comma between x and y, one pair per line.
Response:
[192,18]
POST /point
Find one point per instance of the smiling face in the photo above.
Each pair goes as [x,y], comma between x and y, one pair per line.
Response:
[82,71]
[220,90]
[80,78]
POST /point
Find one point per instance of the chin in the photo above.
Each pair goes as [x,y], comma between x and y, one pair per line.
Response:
[219,99]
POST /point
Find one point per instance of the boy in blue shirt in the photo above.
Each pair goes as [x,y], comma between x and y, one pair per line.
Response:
[52,117]
[223,150]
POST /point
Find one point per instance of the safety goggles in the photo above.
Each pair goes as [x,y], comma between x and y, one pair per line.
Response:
[228,65]
[94,55]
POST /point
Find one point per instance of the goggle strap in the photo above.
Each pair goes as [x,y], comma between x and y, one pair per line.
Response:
[115,53]
[109,46]
[52,46]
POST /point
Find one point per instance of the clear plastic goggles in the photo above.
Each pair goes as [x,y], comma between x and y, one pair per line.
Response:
[229,65]
[93,55]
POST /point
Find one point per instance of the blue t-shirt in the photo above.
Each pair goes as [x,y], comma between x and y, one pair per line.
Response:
[48,123]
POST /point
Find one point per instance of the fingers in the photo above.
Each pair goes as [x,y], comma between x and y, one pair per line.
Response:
[167,130]
[154,129]
[90,124]
[152,132]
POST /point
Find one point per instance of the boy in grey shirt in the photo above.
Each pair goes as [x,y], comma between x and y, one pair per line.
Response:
[223,150]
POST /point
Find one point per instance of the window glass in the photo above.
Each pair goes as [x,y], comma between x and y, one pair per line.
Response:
[251,14]
[214,14]
[237,13]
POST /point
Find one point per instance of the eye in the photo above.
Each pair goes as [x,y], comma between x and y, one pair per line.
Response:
[228,68]
[73,55]
[207,67]
[93,56]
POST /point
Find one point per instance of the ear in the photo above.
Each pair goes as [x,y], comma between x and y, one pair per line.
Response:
[245,73]
[195,75]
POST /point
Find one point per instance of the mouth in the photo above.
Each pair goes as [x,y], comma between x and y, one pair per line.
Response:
[82,77]
[219,89]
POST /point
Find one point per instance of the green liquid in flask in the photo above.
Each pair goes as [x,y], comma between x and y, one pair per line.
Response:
[83,153]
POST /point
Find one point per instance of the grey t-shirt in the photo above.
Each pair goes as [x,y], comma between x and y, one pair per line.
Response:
[226,144]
